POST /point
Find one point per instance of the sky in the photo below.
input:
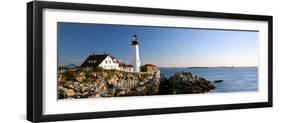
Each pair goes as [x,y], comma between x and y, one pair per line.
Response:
[162,46]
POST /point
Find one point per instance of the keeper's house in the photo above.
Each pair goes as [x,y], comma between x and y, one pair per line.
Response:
[106,61]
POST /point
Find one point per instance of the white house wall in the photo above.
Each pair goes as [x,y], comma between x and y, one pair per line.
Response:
[108,63]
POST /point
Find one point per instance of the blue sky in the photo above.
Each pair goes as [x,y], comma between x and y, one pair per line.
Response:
[164,47]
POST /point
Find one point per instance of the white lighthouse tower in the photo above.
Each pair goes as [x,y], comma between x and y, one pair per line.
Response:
[136,54]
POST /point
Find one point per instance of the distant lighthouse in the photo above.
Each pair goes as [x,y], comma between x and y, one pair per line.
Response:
[136,54]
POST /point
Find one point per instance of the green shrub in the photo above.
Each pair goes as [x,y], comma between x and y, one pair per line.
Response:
[98,69]
[69,75]
[110,72]
[62,67]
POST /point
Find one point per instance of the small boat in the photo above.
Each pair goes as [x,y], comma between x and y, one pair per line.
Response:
[218,81]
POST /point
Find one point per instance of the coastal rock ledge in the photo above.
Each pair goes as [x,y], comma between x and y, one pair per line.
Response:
[187,83]
[112,83]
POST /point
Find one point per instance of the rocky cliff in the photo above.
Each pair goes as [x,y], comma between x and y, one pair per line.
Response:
[185,83]
[106,83]
[112,83]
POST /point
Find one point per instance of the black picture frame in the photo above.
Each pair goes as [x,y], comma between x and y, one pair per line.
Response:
[34,60]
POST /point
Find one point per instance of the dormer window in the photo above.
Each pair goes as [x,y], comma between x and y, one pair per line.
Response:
[91,61]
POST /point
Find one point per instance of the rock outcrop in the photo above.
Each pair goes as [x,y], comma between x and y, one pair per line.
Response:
[112,83]
[106,83]
[187,83]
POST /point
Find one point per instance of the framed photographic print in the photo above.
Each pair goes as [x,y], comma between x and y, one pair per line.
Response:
[95,61]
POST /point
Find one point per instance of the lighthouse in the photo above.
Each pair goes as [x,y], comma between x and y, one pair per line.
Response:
[136,54]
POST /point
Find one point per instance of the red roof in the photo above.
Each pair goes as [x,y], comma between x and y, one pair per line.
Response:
[152,65]
[122,65]
[129,65]
[125,65]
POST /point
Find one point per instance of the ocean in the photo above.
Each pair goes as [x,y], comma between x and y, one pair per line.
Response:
[235,79]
